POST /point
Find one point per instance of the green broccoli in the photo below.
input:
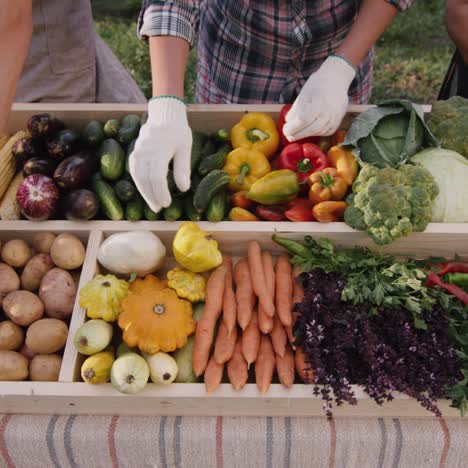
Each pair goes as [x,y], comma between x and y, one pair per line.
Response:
[449,124]
[391,203]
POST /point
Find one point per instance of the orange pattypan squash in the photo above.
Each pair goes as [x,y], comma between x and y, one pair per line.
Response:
[150,281]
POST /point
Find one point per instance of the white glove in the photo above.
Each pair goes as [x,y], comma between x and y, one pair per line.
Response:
[322,102]
[165,136]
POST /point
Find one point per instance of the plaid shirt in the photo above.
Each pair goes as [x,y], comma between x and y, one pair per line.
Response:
[258,51]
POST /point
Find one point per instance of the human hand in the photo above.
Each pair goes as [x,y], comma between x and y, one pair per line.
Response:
[166,136]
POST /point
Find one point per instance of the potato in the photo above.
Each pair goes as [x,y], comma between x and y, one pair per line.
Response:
[46,336]
[9,281]
[23,307]
[35,270]
[26,352]
[67,252]
[13,366]
[58,292]
[45,367]
[11,336]
[42,241]
[16,253]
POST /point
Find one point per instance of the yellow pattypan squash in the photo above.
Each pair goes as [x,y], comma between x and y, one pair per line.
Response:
[194,249]
[156,320]
[150,281]
[102,297]
[187,285]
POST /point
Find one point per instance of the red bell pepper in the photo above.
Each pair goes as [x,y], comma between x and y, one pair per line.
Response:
[282,120]
[270,213]
[299,209]
[304,159]
[453,267]
[459,293]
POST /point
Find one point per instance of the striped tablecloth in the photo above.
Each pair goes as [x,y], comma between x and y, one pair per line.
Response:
[222,442]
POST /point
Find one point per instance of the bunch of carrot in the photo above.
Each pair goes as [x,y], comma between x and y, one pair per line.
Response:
[251,307]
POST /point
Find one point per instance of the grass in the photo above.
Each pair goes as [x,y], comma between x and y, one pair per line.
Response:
[411,57]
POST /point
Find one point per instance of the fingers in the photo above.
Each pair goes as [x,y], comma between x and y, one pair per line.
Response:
[182,167]
[158,175]
[297,125]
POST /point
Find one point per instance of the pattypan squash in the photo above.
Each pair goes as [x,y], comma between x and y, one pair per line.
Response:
[150,281]
[187,285]
[102,297]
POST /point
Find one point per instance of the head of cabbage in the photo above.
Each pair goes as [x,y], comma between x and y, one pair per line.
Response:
[450,171]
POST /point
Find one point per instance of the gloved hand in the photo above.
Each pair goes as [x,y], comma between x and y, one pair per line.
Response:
[165,136]
[322,102]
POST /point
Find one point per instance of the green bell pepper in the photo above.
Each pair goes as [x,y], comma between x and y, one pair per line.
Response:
[275,187]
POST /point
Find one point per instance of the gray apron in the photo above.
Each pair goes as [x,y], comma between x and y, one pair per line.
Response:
[69,62]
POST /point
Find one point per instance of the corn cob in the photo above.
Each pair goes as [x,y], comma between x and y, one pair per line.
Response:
[3,139]
[7,161]
[9,208]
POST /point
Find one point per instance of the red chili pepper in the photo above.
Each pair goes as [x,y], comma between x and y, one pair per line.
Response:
[282,120]
[304,159]
[453,267]
[434,280]
[300,209]
[270,213]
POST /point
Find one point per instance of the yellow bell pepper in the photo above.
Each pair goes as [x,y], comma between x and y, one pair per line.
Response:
[344,162]
[187,285]
[244,167]
[258,131]
[194,249]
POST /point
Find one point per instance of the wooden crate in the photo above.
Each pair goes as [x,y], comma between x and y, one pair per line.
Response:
[69,396]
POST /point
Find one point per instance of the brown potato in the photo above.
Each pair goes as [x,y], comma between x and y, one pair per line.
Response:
[11,336]
[45,367]
[13,366]
[16,253]
[46,336]
[67,252]
[58,292]
[9,281]
[35,270]
[42,241]
[23,307]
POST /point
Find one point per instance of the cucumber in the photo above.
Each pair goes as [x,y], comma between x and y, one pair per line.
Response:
[222,136]
[93,134]
[195,180]
[190,212]
[143,118]
[217,208]
[129,129]
[198,140]
[208,148]
[214,161]
[174,211]
[171,185]
[134,210]
[112,159]
[111,128]
[125,190]
[130,148]
[110,204]
[150,215]
[210,185]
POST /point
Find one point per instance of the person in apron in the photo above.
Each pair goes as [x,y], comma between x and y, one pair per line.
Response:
[317,54]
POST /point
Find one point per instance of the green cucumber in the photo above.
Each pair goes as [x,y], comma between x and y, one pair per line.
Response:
[214,161]
[111,128]
[217,208]
[93,134]
[174,211]
[222,135]
[125,190]
[111,159]
[198,140]
[110,204]
[195,180]
[129,129]
[134,210]
[150,215]
[208,148]
[210,185]
[190,212]
[130,149]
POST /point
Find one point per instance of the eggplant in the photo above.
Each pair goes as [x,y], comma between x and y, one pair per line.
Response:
[37,197]
[44,126]
[80,205]
[66,143]
[74,172]
[39,165]
[23,150]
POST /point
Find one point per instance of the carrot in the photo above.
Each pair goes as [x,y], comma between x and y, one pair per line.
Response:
[245,295]
[279,337]
[229,299]
[206,326]
[237,368]
[225,343]
[284,290]
[257,274]
[251,340]
[302,367]
[285,367]
[213,375]
[264,365]
[265,322]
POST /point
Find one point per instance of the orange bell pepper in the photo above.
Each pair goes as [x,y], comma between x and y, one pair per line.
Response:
[338,137]
[344,162]
[329,211]
[327,185]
